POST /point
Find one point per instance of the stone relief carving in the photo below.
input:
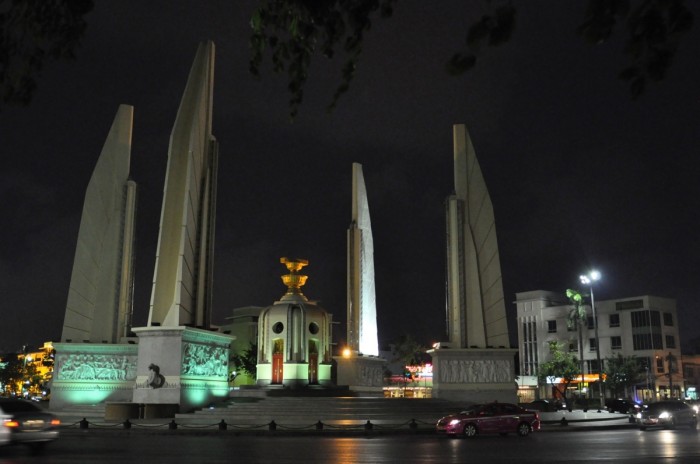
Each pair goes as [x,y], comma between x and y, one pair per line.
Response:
[96,367]
[371,376]
[204,360]
[474,371]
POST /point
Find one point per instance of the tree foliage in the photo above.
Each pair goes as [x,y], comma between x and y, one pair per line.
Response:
[292,31]
[31,33]
[247,360]
[408,351]
[561,364]
[621,372]
[576,319]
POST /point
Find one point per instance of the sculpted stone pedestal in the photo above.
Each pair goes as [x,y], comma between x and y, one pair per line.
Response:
[362,373]
[474,375]
[92,373]
[181,366]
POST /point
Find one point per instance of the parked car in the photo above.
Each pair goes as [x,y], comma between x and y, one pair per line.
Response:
[545,405]
[622,406]
[667,414]
[503,418]
[4,431]
[27,424]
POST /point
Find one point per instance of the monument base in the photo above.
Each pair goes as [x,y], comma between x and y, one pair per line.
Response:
[92,373]
[181,366]
[362,374]
[474,375]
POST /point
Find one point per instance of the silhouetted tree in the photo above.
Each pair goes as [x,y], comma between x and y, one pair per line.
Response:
[292,31]
[562,365]
[31,33]
[621,372]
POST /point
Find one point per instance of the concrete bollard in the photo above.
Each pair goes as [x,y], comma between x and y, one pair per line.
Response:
[319,425]
[127,424]
[563,422]
[84,423]
[413,425]
[223,425]
[368,425]
[172,425]
[272,426]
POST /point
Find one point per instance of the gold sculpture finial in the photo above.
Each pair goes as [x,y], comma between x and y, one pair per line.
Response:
[294,281]
[294,265]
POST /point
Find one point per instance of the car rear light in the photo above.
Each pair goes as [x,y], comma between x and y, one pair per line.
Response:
[55,422]
[10,423]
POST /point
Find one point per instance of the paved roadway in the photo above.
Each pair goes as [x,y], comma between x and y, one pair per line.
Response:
[626,445]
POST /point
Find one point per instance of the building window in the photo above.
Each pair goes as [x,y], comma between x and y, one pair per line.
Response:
[592,365]
[572,347]
[641,319]
[660,365]
[668,319]
[614,320]
[552,326]
[688,372]
[590,322]
[670,341]
[616,343]
[592,344]
[644,341]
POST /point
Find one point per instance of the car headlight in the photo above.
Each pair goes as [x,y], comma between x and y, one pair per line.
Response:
[639,415]
[664,415]
[695,408]
[454,422]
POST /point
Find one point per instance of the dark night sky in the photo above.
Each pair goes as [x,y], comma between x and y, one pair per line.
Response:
[580,174]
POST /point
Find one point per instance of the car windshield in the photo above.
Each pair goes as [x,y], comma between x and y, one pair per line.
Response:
[664,406]
[17,406]
[474,409]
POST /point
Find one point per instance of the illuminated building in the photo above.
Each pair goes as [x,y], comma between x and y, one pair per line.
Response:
[645,327]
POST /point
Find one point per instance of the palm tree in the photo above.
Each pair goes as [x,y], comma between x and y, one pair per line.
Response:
[576,319]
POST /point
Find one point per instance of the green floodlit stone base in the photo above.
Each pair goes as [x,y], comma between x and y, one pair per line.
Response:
[88,374]
[193,365]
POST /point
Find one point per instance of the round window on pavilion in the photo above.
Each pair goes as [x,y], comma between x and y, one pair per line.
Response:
[313,328]
[278,328]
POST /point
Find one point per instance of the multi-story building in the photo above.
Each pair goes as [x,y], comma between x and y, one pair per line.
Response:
[645,327]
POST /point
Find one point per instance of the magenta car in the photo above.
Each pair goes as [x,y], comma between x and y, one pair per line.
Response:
[502,418]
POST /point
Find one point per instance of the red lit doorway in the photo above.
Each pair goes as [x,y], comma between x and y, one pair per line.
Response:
[313,362]
[278,362]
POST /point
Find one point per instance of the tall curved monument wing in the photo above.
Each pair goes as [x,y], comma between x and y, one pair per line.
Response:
[182,278]
[476,315]
[99,302]
[362,304]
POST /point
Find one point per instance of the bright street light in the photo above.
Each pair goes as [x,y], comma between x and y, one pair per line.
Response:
[588,280]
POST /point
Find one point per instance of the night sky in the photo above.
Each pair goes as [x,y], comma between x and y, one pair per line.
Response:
[580,174]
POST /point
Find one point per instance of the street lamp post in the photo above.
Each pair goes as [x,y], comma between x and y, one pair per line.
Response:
[588,280]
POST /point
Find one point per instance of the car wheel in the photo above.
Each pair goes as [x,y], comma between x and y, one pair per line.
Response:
[37,448]
[642,428]
[523,429]
[470,430]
